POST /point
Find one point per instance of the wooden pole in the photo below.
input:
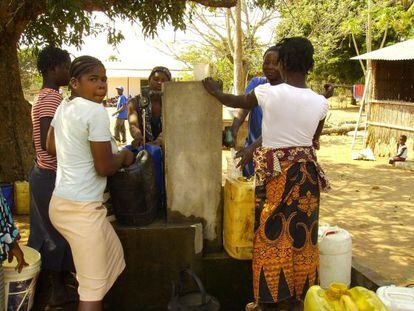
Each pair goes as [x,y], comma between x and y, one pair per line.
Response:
[369,34]
[392,126]
[361,108]
[391,102]
[238,77]
[340,130]
[368,96]
[367,78]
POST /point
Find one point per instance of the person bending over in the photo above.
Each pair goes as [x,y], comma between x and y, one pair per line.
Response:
[80,137]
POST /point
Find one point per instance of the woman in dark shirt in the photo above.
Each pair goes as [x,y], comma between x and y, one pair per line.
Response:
[152,113]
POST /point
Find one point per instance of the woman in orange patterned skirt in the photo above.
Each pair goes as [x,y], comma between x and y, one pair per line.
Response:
[288,179]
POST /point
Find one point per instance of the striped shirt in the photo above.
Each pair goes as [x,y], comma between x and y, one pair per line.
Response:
[44,106]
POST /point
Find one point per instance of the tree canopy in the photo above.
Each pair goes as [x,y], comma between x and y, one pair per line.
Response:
[216,31]
[337,28]
[32,24]
[69,20]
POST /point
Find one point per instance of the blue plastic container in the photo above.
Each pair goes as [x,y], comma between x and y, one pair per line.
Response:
[7,190]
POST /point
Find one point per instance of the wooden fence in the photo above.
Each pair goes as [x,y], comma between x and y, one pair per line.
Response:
[387,121]
[391,109]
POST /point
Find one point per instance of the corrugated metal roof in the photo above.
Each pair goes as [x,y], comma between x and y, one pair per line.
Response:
[399,51]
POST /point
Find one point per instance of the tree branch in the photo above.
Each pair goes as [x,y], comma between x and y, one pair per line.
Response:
[246,15]
[216,3]
[205,37]
[23,13]
[209,26]
[384,38]
[172,53]
[231,16]
[229,38]
[357,51]
[266,17]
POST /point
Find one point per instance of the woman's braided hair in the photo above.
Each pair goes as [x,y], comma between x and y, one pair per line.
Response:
[83,65]
[274,48]
[296,54]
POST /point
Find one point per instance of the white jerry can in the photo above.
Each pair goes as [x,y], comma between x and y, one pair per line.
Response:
[335,253]
[397,298]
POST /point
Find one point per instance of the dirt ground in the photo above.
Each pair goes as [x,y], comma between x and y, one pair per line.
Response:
[371,199]
[375,202]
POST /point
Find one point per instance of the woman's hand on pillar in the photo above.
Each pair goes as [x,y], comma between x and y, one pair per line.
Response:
[212,86]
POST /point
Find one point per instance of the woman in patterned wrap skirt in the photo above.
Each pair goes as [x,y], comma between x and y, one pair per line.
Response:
[288,179]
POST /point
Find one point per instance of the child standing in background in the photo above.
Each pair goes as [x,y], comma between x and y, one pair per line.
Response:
[81,139]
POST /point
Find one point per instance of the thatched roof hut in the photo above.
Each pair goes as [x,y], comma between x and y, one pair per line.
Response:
[390,110]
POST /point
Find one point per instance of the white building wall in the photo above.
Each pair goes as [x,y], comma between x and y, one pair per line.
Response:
[132,86]
[113,82]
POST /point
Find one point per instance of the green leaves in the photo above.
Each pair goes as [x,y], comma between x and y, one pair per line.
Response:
[70,20]
[331,24]
[216,30]
[30,77]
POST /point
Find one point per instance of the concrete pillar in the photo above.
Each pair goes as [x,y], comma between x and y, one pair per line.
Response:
[192,127]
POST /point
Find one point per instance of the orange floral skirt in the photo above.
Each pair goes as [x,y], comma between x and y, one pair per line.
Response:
[285,256]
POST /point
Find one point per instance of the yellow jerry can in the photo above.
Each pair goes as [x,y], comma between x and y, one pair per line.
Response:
[238,229]
[339,298]
[21,198]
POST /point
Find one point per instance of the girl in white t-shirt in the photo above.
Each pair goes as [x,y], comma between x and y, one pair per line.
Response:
[288,179]
[81,139]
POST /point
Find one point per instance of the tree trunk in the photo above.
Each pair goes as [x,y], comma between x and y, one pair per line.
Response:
[238,76]
[16,149]
[369,34]
[341,130]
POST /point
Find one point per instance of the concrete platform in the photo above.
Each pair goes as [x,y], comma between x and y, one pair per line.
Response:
[227,279]
[366,277]
[154,256]
[407,165]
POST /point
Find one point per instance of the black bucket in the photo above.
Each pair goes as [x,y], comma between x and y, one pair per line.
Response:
[134,193]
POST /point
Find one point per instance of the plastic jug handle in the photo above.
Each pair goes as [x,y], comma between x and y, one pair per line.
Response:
[330,230]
